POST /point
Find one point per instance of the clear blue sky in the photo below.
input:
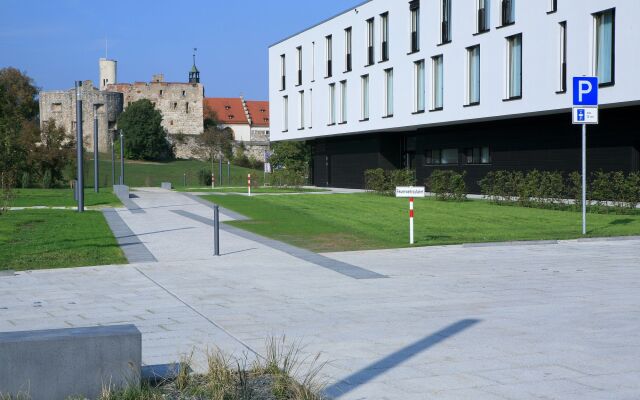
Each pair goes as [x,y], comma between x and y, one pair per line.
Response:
[59,41]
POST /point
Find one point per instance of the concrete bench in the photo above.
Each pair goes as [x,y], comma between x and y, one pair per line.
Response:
[59,363]
[166,185]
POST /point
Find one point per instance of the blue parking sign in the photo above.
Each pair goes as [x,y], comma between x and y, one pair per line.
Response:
[585,91]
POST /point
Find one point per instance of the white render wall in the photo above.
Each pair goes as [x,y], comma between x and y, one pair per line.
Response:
[541,40]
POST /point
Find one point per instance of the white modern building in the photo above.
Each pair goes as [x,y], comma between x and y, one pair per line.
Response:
[473,85]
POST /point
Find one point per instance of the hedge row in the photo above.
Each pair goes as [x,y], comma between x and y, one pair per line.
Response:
[385,182]
[447,185]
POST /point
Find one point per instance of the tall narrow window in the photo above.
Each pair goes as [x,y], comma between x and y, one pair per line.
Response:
[370,42]
[414,7]
[483,15]
[313,61]
[348,50]
[388,88]
[343,102]
[605,47]
[285,113]
[283,72]
[437,92]
[384,35]
[419,103]
[514,67]
[553,6]
[508,12]
[332,104]
[299,62]
[473,75]
[310,108]
[364,101]
[329,56]
[301,109]
[445,21]
[562,78]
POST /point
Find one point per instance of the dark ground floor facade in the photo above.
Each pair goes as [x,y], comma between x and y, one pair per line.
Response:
[545,143]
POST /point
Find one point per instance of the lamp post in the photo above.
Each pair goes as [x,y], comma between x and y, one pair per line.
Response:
[79,146]
[121,157]
[113,158]
[96,156]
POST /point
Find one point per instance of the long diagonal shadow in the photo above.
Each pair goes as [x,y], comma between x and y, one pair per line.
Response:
[370,372]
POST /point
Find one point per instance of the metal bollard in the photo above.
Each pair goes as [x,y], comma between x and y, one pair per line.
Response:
[216,230]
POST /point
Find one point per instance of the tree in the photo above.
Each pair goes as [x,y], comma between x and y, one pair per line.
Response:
[294,156]
[50,150]
[144,136]
[216,141]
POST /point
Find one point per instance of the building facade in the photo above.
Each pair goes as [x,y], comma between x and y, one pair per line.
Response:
[474,86]
[248,119]
[60,106]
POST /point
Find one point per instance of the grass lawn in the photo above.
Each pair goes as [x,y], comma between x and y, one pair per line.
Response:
[62,198]
[38,239]
[365,221]
[151,174]
[257,190]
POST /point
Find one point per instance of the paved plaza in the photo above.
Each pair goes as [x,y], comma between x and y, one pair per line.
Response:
[553,321]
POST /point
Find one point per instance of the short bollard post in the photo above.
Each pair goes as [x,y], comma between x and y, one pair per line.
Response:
[216,228]
[249,184]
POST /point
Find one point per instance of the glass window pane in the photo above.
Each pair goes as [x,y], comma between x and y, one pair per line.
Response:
[486,156]
[449,156]
[515,66]
[604,50]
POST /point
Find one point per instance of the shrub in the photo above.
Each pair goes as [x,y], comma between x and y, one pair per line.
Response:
[287,178]
[385,182]
[204,177]
[26,180]
[47,179]
[448,185]
[374,180]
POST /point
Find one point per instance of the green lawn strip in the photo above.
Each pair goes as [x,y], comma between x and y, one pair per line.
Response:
[62,198]
[365,221]
[256,190]
[39,239]
[152,174]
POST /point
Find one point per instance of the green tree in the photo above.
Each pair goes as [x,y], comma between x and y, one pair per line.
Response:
[291,155]
[144,136]
[216,141]
[50,151]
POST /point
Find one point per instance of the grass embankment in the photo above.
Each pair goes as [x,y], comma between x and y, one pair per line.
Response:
[38,239]
[152,174]
[62,198]
[366,221]
[255,190]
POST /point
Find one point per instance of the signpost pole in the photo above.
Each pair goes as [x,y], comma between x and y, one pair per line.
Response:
[411,220]
[80,147]
[584,179]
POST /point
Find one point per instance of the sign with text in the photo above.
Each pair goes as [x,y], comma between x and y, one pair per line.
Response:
[410,191]
[585,115]
[585,91]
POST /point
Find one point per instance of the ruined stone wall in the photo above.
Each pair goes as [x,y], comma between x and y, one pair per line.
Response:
[181,104]
[60,106]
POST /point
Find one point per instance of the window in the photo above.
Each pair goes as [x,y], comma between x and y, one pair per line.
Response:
[437,77]
[56,107]
[445,21]
[441,157]
[514,67]
[414,7]
[299,54]
[364,101]
[347,50]
[370,42]
[553,6]
[388,88]
[477,155]
[473,75]
[483,15]
[283,72]
[313,61]
[285,114]
[562,78]
[604,61]
[174,106]
[384,35]
[508,12]
[343,102]
[186,107]
[161,93]
[332,104]
[329,56]
[184,93]
[419,103]
[301,110]
[310,108]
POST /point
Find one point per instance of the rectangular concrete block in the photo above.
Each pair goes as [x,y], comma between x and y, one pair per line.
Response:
[166,185]
[59,363]
[122,191]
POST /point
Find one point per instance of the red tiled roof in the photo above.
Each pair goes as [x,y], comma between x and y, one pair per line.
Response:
[259,112]
[228,110]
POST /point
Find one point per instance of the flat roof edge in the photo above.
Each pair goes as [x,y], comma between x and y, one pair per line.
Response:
[321,22]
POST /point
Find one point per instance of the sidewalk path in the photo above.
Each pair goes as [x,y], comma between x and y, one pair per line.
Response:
[517,322]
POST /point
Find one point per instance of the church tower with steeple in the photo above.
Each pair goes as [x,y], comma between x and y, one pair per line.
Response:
[194,75]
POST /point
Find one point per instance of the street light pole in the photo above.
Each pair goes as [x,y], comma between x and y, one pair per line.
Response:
[79,145]
[113,158]
[96,175]
[121,157]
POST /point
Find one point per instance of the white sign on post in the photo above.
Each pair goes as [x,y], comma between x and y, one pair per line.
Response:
[585,115]
[410,191]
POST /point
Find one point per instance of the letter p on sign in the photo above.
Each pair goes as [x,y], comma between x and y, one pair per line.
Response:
[585,91]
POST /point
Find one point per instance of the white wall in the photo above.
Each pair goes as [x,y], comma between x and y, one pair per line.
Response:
[540,64]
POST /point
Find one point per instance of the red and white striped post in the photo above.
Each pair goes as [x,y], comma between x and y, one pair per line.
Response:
[411,220]
[249,183]
[213,181]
